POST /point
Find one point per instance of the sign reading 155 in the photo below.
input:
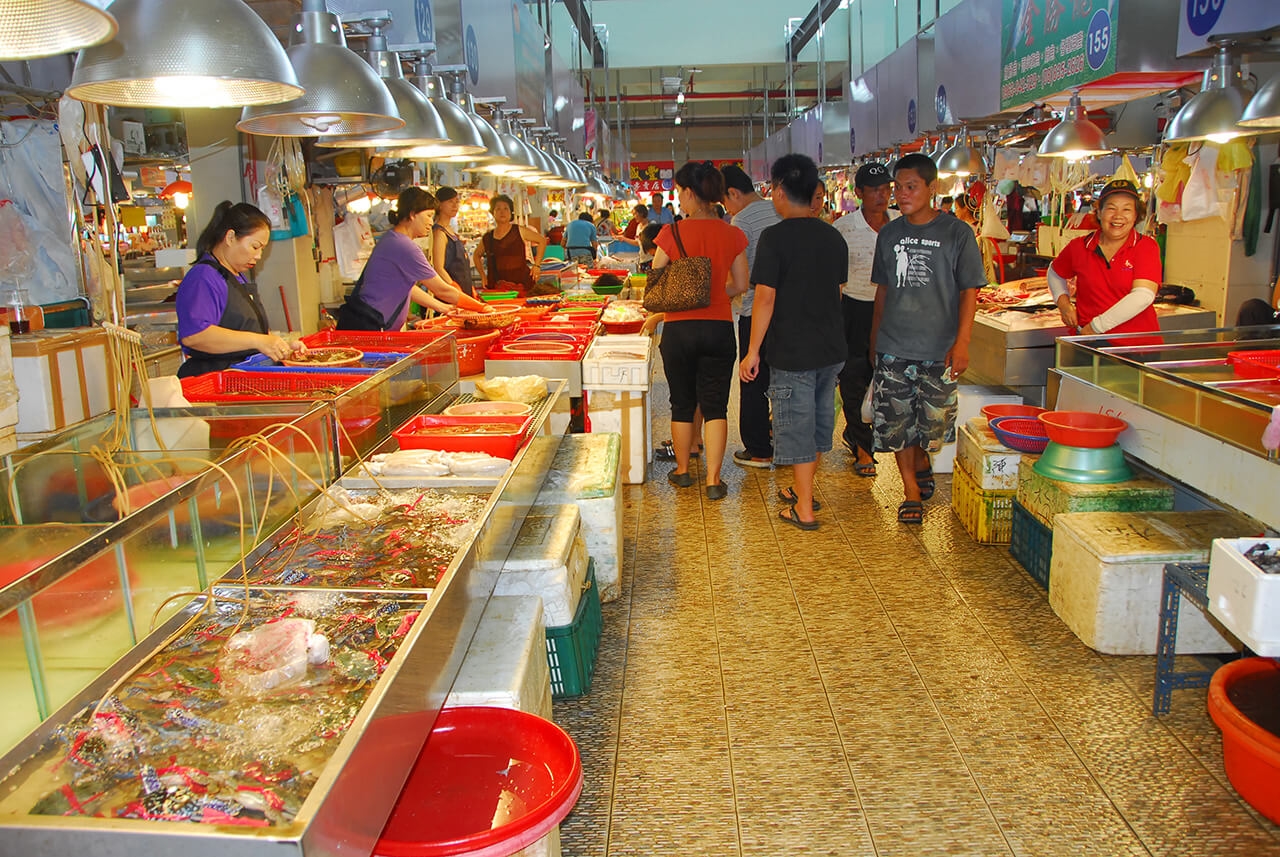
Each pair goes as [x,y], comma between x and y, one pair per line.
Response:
[1097,42]
[1203,14]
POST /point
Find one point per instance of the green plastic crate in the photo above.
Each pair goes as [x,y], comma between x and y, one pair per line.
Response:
[571,649]
[1031,544]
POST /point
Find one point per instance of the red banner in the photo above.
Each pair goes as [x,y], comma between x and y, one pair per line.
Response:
[650,176]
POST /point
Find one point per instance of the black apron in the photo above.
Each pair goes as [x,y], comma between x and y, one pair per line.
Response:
[243,312]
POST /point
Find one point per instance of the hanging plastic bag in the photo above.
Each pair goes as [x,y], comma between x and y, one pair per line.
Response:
[272,205]
[16,262]
[1007,163]
[867,411]
[1200,196]
[296,212]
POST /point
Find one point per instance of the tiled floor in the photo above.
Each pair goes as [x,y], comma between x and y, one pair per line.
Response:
[870,689]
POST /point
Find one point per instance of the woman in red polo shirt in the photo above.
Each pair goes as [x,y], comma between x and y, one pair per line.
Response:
[1117,270]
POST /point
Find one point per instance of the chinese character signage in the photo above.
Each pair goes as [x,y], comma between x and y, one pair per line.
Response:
[1050,46]
[650,176]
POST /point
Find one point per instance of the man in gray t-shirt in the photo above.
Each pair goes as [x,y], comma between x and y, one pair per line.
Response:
[753,215]
[927,270]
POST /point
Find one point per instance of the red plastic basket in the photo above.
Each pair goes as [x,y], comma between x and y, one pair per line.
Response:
[623,326]
[1021,433]
[416,434]
[1082,428]
[472,348]
[233,386]
[366,340]
[1255,364]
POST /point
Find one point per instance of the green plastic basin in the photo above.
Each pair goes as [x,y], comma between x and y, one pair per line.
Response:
[1096,466]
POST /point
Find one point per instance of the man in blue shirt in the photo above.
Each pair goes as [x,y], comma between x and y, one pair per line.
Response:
[580,239]
[658,213]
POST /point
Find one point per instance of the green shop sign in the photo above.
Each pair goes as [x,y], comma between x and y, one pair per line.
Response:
[1053,45]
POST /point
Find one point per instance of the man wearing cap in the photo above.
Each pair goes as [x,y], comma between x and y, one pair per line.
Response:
[858,303]
[1117,269]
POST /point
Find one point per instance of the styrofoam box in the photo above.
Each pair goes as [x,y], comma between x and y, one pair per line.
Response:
[1245,597]
[970,400]
[993,466]
[586,472]
[1108,569]
[506,664]
[1044,497]
[8,384]
[62,378]
[627,413]
[548,559]
[603,372]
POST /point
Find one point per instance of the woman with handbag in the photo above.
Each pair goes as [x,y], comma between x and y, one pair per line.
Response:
[398,272]
[708,267]
[501,255]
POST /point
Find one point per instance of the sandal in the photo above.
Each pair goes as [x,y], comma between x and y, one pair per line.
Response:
[666,452]
[718,491]
[788,496]
[788,514]
[864,468]
[911,512]
[924,479]
[680,480]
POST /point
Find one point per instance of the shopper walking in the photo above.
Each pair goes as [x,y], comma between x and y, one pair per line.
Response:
[501,254]
[697,345]
[800,267]
[927,271]
[657,212]
[752,214]
[871,184]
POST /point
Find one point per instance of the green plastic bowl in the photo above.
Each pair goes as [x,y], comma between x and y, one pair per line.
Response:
[1092,466]
[607,289]
[499,296]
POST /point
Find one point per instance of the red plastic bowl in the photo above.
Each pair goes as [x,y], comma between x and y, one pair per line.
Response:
[992,412]
[1250,753]
[1082,428]
[480,764]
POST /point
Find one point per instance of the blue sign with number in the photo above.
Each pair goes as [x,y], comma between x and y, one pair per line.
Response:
[426,23]
[1203,14]
[911,116]
[471,52]
[940,105]
[1097,40]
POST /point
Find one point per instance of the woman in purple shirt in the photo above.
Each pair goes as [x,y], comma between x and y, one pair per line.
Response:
[398,271]
[220,316]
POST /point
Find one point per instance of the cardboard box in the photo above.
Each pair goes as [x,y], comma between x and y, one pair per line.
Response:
[62,377]
[627,413]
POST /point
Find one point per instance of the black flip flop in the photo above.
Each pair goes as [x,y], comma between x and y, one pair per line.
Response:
[788,515]
[788,496]
[911,512]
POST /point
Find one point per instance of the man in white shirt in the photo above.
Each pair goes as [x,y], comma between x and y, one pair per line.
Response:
[752,214]
[872,184]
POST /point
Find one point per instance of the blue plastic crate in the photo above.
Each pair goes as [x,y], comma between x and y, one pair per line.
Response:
[1031,544]
[373,361]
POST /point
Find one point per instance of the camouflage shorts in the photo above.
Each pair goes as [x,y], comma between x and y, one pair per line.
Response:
[914,403]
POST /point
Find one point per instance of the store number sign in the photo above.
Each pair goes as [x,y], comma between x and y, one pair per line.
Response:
[1050,46]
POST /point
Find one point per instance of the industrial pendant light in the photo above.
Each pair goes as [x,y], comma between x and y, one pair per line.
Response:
[43,28]
[422,124]
[1075,137]
[1213,113]
[463,137]
[519,160]
[1263,110]
[493,149]
[343,94]
[217,53]
[961,159]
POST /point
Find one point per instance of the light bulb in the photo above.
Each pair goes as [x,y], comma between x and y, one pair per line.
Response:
[680,98]
[180,200]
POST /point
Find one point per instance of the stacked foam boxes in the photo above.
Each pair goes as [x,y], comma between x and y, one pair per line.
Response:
[984,483]
[970,400]
[506,667]
[1108,571]
[616,371]
[62,379]
[1040,498]
[8,396]
[586,473]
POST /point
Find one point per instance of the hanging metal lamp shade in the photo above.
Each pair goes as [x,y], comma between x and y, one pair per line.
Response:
[422,123]
[519,160]
[1075,137]
[217,53]
[343,94]
[462,139]
[493,148]
[961,159]
[1213,113]
[43,28]
[1264,108]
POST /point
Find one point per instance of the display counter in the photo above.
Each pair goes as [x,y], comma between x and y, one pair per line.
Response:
[1195,411]
[312,770]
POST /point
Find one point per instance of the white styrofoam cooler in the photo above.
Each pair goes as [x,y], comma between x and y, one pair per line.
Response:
[585,472]
[618,362]
[62,378]
[548,559]
[970,400]
[625,412]
[1244,597]
[993,466]
[1108,570]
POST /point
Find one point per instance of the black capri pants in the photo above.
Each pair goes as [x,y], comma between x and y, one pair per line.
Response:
[699,357]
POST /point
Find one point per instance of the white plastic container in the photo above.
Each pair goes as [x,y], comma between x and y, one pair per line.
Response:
[970,400]
[587,472]
[604,367]
[548,559]
[1244,597]
[506,663]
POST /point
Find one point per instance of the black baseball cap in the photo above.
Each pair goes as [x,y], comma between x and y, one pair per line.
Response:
[872,175]
[1119,186]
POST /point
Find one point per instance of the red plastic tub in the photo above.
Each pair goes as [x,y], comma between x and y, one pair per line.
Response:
[472,346]
[1250,753]
[489,782]
[418,433]
[1082,428]
[993,412]
[1255,364]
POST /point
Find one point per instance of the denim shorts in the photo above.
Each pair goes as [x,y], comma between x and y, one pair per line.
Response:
[914,403]
[804,412]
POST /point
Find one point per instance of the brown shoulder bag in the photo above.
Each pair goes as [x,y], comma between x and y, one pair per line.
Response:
[684,284]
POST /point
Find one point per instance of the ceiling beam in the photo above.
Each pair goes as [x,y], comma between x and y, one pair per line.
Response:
[808,28]
[582,20]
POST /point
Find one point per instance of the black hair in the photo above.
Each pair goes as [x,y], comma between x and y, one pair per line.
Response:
[444,194]
[736,179]
[585,215]
[797,176]
[241,218]
[946,199]
[922,164]
[641,210]
[553,213]
[410,202]
[703,179]
[648,235]
[500,198]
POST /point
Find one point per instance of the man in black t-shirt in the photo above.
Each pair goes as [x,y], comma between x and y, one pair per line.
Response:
[800,267]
